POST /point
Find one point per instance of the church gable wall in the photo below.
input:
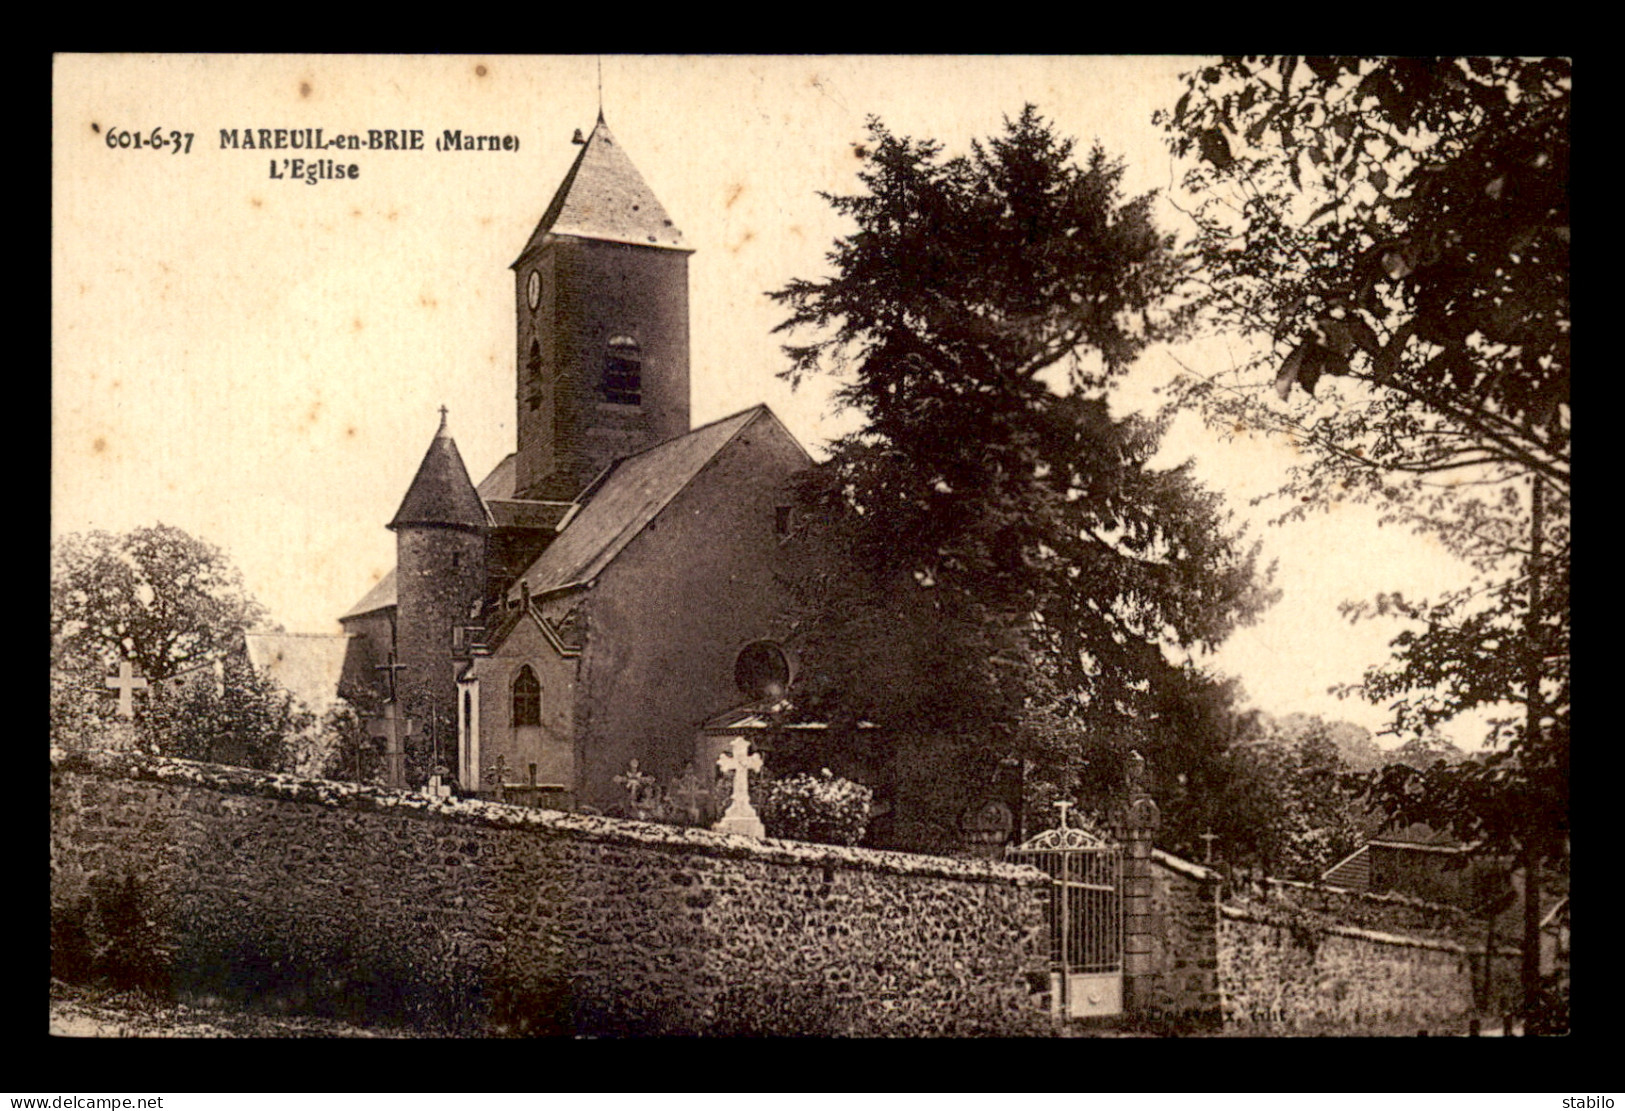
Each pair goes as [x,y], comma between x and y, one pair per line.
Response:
[550,746]
[667,617]
[384,904]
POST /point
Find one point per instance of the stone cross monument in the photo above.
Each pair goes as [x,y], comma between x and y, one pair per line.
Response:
[126,682]
[393,729]
[740,817]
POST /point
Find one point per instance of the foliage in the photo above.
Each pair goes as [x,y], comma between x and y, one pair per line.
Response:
[340,746]
[1401,223]
[1476,649]
[1422,752]
[110,934]
[82,713]
[247,719]
[992,554]
[1400,229]
[1292,809]
[157,596]
[819,808]
[1509,802]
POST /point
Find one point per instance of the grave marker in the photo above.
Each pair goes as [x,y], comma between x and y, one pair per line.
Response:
[126,682]
[740,816]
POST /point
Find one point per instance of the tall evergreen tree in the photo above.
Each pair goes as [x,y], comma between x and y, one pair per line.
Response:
[992,557]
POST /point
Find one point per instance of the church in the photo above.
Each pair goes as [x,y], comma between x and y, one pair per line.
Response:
[588,602]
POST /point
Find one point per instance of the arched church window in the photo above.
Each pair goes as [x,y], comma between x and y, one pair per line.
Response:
[623,372]
[468,713]
[527,698]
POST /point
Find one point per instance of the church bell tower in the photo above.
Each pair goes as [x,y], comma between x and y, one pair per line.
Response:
[601,304]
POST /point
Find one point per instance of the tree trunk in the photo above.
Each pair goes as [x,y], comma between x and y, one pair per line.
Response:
[1531,934]
[1532,705]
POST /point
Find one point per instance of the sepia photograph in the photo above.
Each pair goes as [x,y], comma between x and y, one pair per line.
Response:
[809,546]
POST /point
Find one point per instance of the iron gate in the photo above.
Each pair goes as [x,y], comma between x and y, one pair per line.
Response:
[1085,918]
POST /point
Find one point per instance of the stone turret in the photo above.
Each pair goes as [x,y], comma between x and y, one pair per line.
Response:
[440,533]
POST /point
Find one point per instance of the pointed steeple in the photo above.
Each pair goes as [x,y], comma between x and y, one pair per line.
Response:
[604,197]
[441,494]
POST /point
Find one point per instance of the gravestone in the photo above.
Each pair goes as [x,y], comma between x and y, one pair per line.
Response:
[739,762]
[986,827]
[640,791]
[438,788]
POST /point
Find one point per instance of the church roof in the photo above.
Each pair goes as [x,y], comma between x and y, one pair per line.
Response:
[308,665]
[629,494]
[509,513]
[500,482]
[604,197]
[442,494]
[381,596]
[496,491]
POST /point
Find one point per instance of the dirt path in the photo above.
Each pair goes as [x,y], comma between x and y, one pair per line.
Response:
[84,1012]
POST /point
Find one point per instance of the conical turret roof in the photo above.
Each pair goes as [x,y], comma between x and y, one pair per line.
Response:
[441,494]
[604,197]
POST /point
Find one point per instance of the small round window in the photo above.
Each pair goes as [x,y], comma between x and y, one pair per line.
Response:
[763,671]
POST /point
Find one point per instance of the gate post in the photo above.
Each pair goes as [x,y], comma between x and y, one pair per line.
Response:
[1137,824]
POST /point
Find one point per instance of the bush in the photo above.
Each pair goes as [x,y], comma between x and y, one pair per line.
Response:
[248,720]
[820,808]
[111,935]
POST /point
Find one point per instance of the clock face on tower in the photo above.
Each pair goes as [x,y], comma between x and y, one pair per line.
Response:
[533,289]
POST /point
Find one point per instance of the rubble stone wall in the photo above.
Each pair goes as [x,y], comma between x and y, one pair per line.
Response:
[366,901]
[1185,946]
[1286,970]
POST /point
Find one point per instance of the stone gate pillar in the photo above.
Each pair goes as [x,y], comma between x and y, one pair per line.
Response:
[1136,825]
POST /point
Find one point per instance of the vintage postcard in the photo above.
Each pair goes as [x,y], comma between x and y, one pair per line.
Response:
[472,368]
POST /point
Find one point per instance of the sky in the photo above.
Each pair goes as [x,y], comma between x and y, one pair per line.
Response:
[260,361]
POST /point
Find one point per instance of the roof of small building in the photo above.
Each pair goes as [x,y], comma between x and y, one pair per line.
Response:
[441,493]
[604,197]
[1418,834]
[618,505]
[308,665]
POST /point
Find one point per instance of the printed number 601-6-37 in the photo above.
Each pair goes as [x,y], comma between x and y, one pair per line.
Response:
[122,138]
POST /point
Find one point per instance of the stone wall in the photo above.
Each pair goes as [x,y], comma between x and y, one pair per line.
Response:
[1185,939]
[1281,966]
[1414,920]
[368,902]
[1295,955]
[1387,913]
